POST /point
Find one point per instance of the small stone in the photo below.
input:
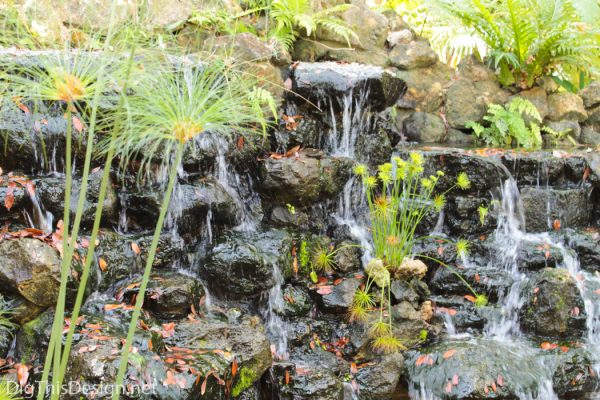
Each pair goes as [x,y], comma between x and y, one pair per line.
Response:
[591,95]
[399,37]
[424,128]
[566,105]
[412,268]
[415,54]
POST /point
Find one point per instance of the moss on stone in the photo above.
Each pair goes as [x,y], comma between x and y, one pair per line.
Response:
[246,379]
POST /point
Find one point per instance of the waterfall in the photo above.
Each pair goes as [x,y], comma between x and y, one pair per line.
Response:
[39,218]
[355,120]
[277,331]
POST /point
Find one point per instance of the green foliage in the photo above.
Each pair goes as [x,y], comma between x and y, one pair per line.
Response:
[9,391]
[294,18]
[527,39]
[483,212]
[507,125]
[259,100]
[15,29]
[6,325]
[222,21]
[399,197]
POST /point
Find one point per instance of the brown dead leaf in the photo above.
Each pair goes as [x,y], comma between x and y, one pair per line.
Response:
[135,248]
[102,264]
[449,354]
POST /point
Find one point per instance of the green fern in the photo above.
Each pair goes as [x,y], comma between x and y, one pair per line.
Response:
[507,125]
[295,18]
[259,99]
[527,39]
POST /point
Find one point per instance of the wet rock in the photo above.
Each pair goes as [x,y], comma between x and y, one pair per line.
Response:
[297,301]
[490,282]
[379,379]
[591,95]
[593,116]
[347,258]
[466,317]
[566,105]
[545,205]
[395,38]
[574,374]
[462,215]
[341,296]
[424,87]
[304,179]
[468,101]
[22,310]
[553,305]
[403,291]
[169,295]
[484,172]
[536,256]
[20,204]
[313,81]
[374,147]
[281,217]
[515,365]
[33,337]
[30,268]
[241,265]
[51,191]
[424,128]
[190,203]
[535,168]
[121,259]
[315,382]
[587,246]
[415,54]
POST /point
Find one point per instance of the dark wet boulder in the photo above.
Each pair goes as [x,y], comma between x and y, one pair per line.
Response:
[477,369]
[462,214]
[553,305]
[302,180]
[379,379]
[241,265]
[30,268]
[26,134]
[403,290]
[297,302]
[314,81]
[340,297]
[33,337]
[190,204]
[170,295]
[463,314]
[126,254]
[21,203]
[544,206]
[491,282]
[587,246]
[51,192]
[575,373]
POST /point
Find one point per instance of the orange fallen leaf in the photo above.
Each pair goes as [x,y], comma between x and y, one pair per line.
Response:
[455,379]
[548,346]
[102,264]
[22,374]
[135,248]
[234,367]
[287,377]
[470,298]
[353,368]
[556,224]
[449,354]
[325,290]
[500,380]
[77,124]
[448,387]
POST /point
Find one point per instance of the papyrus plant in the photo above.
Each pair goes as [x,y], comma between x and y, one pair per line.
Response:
[171,106]
[399,197]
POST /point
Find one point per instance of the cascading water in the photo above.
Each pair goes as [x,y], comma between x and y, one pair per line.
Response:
[355,121]
[274,324]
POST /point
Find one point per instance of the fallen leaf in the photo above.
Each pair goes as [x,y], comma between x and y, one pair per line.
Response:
[77,124]
[449,353]
[22,374]
[9,197]
[556,224]
[455,379]
[135,248]
[448,387]
[234,367]
[470,298]
[353,368]
[102,264]
[287,377]
[500,380]
[548,346]
[325,290]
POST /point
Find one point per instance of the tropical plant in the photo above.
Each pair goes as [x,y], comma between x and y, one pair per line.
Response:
[9,390]
[169,109]
[531,38]
[74,81]
[6,325]
[222,21]
[399,197]
[294,18]
[515,124]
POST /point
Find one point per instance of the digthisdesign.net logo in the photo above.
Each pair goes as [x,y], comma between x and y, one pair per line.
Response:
[85,390]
